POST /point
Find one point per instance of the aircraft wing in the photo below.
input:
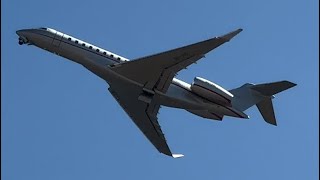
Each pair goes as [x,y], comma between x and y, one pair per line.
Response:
[156,72]
[143,114]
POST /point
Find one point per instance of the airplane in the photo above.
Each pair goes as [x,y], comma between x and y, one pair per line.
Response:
[143,85]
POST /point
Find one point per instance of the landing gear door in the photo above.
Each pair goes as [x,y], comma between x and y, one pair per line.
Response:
[57,39]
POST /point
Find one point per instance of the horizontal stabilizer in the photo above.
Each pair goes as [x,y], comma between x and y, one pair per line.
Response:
[177,155]
[270,89]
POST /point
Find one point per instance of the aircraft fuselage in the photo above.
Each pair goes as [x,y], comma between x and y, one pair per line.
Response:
[99,61]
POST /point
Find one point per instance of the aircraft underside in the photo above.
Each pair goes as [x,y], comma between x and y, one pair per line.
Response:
[144,84]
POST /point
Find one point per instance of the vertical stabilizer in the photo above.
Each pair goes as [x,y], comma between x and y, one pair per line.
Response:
[266,109]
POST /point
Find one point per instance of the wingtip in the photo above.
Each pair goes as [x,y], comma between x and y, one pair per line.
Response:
[232,34]
[177,155]
[288,84]
[274,123]
[291,84]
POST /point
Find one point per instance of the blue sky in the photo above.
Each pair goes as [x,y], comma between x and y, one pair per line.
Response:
[60,122]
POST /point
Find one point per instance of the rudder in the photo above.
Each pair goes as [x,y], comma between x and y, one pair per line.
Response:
[266,110]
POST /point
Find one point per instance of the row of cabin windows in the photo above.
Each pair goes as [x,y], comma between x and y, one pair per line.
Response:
[90,47]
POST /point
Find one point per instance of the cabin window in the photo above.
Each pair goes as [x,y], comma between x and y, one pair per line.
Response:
[111,55]
[119,58]
[104,53]
[90,47]
[69,39]
[97,50]
[76,42]
[83,44]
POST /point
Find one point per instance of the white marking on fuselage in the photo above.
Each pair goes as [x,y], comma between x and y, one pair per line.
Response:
[73,48]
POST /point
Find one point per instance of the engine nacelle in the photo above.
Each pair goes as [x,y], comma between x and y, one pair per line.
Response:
[211,91]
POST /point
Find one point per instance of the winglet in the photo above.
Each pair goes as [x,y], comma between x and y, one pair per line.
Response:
[177,155]
[230,35]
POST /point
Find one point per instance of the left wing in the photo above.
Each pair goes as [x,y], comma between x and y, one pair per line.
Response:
[156,72]
[143,114]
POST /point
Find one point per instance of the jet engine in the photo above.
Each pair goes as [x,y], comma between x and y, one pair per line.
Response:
[211,91]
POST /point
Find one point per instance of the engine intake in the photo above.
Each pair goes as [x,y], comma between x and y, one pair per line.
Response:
[211,91]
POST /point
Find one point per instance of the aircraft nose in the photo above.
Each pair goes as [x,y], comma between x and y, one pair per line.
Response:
[18,32]
[22,32]
[23,36]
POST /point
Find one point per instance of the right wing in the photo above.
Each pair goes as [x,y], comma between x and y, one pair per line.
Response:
[156,72]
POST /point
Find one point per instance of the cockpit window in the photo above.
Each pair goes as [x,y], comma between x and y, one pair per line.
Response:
[43,28]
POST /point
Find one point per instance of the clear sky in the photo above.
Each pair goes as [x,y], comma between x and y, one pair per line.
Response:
[60,122]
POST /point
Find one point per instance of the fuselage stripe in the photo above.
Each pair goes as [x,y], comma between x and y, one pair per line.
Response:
[62,40]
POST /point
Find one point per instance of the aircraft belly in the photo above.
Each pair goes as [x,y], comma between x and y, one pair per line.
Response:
[206,114]
[178,97]
[226,110]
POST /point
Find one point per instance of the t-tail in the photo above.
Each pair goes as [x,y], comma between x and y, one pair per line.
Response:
[260,95]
